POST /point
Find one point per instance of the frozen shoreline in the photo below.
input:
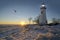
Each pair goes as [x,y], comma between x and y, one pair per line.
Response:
[32,32]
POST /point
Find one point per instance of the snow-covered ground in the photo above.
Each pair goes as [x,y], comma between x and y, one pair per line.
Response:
[29,32]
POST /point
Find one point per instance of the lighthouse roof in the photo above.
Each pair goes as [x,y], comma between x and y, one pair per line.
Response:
[43,5]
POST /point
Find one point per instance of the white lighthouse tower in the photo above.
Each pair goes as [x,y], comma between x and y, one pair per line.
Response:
[42,17]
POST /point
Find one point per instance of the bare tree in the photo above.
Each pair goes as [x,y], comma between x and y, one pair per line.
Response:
[30,20]
[36,20]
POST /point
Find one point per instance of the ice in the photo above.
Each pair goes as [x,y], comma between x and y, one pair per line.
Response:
[30,32]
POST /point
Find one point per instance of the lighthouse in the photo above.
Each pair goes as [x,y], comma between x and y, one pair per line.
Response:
[42,16]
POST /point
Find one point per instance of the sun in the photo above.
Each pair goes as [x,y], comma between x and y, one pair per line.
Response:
[22,23]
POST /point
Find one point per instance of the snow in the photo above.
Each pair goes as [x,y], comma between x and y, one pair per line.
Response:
[30,32]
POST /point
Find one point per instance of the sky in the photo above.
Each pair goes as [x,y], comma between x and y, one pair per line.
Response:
[26,9]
